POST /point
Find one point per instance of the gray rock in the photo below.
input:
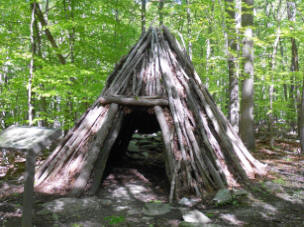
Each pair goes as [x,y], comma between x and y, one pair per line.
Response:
[6,207]
[273,187]
[155,209]
[222,196]
[133,147]
[191,224]
[239,192]
[195,216]
[145,154]
[70,206]
[105,202]
[136,136]
[187,202]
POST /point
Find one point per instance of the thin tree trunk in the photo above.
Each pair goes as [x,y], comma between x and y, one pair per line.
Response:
[143,16]
[234,106]
[68,6]
[160,12]
[189,29]
[301,122]
[246,116]
[283,62]
[271,87]
[294,67]
[31,70]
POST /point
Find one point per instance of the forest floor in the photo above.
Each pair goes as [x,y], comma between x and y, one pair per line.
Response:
[276,200]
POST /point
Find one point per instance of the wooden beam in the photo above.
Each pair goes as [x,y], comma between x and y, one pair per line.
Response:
[133,101]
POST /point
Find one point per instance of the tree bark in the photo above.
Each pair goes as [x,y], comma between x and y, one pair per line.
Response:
[246,116]
[294,67]
[298,98]
[160,12]
[189,29]
[143,16]
[137,101]
[273,66]
[234,105]
[31,70]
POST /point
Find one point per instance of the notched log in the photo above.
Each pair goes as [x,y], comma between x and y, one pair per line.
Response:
[133,101]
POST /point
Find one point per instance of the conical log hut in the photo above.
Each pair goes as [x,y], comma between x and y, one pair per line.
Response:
[155,80]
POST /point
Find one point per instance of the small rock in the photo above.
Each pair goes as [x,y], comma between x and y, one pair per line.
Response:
[132,212]
[5,207]
[222,196]
[273,187]
[137,136]
[187,202]
[106,202]
[145,154]
[191,224]
[239,192]
[133,147]
[70,206]
[195,216]
[147,218]
[155,209]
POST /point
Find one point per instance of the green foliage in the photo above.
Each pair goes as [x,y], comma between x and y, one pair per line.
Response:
[280,181]
[113,220]
[94,35]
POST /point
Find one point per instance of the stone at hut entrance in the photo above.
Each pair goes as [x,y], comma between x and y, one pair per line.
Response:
[155,208]
[222,196]
[32,140]
[195,216]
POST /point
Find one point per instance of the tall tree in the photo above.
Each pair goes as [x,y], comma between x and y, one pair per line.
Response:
[277,18]
[294,67]
[234,106]
[143,16]
[189,28]
[160,12]
[31,70]
[246,114]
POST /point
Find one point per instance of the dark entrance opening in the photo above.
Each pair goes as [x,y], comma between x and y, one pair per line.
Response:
[138,152]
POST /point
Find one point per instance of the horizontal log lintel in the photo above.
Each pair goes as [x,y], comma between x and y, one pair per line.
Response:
[133,101]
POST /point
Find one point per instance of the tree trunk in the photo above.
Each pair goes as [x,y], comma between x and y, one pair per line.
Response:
[298,98]
[189,29]
[273,67]
[31,70]
[246,116]
[294,67]
[234,106]
[160,12]
[143,16]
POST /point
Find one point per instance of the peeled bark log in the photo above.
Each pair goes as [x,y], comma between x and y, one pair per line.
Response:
[137,101]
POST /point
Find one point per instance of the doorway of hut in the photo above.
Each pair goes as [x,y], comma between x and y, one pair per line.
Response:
[137,158]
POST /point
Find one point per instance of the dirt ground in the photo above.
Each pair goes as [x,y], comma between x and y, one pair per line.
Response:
[277,200]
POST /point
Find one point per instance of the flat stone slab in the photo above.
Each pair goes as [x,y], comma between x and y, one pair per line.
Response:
[70,206]
[222,196]
[27,138]
[195,216]
[155,209]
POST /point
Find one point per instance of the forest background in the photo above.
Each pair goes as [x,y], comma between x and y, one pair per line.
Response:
[55,56]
